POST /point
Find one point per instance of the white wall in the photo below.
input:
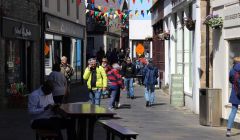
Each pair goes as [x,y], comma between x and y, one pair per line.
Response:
[140,29]
[167,7]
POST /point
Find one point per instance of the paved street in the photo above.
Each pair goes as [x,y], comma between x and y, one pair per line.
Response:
[160,122]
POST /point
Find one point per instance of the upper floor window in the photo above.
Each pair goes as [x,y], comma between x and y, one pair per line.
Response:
[68,7]
[46,3]
[77,10]
[58,5]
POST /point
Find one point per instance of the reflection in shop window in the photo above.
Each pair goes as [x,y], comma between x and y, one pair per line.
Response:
[77,59]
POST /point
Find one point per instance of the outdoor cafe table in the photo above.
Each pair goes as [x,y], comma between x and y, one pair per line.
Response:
[86,115]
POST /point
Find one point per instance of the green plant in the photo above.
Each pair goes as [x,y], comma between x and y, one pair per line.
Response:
[214,21]
[189,23]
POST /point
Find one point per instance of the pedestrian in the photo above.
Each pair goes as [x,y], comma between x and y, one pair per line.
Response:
[128,71]
[67,71]
[43,112]
[59,84]
[100,55]
[115,84]
[96,80]
[150,73]
[107,68]
[234,79]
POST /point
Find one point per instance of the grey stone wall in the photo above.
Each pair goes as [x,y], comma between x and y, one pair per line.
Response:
[26,10]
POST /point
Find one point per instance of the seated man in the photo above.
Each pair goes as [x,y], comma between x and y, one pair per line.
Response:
[43,112]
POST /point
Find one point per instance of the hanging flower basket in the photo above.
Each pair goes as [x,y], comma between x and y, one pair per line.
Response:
[214,21]
[164,36]
[17,95]
[189,23]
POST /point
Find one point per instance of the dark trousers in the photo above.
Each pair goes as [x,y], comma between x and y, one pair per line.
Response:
[56,124]
[58,99]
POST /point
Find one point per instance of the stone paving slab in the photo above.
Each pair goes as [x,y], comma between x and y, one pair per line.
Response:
[160,122]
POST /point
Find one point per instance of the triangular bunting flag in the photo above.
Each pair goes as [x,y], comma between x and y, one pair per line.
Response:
[87,11]
[148,12]
[92,6]
[141,1]
[127,1]
[142,13]
[148,1]
[86,4]
[78,2]
[106,1]
[134,1]
[91,13]
[105,9]
[114,16]
[119,2]
[99,7]
[92,1]
[136,12]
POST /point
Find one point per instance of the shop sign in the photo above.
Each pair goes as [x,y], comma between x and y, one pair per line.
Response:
[231,17]
[176,89]
[61,26]
[22,31]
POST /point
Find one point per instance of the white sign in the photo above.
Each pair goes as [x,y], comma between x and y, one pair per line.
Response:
[231,17]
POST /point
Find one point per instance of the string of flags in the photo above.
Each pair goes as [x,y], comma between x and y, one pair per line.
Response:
[114,1]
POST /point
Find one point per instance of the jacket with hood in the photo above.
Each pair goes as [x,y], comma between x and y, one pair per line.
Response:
[233,97]
[101,78]
[150,74]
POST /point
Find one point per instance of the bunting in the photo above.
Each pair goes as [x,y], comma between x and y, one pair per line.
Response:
[134,1]
[142,13]
[141,1]
[78,2]
[106,1]
[92,1]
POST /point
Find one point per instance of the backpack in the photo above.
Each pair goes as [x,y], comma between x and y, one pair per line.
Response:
[236,83]
[151,76]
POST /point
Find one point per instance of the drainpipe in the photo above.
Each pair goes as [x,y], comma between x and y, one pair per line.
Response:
[42,25]
[207,46]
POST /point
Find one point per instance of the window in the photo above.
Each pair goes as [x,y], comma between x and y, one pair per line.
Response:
[58,5]
[77,10]
[76,61]
[46,3]
[68,7]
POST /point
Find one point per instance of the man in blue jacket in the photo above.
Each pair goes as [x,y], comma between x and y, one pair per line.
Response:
[150,73]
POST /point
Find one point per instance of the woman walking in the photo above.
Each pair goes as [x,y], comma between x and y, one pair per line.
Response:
[59,84]
[115,84]
[234,79]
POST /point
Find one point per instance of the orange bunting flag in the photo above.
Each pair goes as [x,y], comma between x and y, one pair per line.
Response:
[105,9]
[78,2]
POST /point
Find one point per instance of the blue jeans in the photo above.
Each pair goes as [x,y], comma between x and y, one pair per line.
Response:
[128,82]
[149,94]
[114,97]
[95,96]
[232,116]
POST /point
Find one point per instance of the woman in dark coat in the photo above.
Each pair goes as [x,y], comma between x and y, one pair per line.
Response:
[234,79]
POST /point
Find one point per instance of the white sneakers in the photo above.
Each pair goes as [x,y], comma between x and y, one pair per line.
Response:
[228,134]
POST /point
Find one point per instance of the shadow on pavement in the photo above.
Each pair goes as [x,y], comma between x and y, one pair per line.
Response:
[135,97]
[125,106]
[159,104]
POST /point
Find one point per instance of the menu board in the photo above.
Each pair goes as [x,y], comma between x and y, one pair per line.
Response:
[176,90]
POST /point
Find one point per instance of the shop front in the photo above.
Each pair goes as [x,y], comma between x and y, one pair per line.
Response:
[20,59]
[64,38]
[226,42]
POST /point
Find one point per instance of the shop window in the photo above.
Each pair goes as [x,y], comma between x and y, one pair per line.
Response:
[52,52]
[76,61]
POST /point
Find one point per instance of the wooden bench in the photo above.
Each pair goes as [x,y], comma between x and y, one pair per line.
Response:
[116,129]
[47,134]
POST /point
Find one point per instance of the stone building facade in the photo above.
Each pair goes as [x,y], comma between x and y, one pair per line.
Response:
[20,46]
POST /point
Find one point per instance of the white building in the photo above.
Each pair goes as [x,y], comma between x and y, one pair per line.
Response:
[182,51]
[139,26]
[226,42]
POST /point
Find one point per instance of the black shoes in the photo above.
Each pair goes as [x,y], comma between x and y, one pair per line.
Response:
[132,97]
[147,104]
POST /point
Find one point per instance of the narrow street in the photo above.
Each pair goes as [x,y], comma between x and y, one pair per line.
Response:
[160,122]
[164,122]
